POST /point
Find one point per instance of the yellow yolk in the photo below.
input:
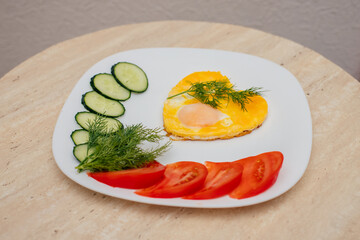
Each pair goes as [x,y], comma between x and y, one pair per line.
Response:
[199,115]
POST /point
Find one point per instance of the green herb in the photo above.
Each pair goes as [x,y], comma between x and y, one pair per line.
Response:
[212,92]
[119,150]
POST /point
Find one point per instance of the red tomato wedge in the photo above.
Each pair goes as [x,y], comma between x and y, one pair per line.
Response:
[222,178]
[181,178]
[260,173]
[133,178]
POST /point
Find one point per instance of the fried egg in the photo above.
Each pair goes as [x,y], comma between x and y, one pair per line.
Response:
[185,118]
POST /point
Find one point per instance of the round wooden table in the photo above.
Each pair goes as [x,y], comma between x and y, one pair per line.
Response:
[39,202]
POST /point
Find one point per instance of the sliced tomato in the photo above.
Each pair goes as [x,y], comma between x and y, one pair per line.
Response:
[260,173]
[133,178]
[181,178]
[222,178]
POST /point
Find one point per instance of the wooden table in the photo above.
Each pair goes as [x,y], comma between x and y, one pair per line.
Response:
[39,202]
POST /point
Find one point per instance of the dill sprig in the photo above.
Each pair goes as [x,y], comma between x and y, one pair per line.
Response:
[120,149]
[212,92]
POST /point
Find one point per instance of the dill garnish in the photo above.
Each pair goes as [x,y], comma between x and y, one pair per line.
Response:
[212,92]
[120,149]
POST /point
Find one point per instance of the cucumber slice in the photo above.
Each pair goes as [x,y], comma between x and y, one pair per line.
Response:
[106,85]
[81,151]
[130,76]
[80,136]
[84,118]
[97,103]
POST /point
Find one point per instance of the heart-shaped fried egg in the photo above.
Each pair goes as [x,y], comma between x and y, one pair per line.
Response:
[187,118]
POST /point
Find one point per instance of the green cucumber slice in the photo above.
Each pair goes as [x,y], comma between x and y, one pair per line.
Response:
[106,85]
[130,76]
[80,136]
[81,151]
[97,103]
[84,118]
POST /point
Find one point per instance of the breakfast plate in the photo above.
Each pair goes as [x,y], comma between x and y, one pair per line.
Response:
[287,128]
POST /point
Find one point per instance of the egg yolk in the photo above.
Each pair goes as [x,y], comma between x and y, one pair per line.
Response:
[199,115]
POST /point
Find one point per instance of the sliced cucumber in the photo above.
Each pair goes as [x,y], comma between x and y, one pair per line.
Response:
[84,118]
[130,76]
[97,103]
[81,152]
[106,85]
[80,136]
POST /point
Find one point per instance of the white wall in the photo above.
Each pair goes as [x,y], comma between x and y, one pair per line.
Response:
[330,27]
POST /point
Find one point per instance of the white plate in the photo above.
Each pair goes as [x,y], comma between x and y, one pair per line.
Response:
[287,128]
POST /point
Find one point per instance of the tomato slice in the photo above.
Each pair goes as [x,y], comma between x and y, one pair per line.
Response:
[181,178]
[222,178]
[260,173]
[132,178]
